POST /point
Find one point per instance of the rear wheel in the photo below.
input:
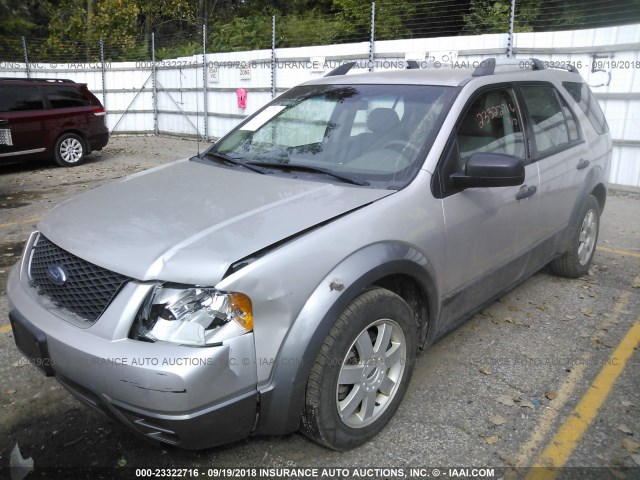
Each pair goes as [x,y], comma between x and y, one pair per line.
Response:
[70,150]
[361,372]
[576,261]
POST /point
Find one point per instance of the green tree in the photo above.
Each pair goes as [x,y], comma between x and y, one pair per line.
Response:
[314,28]
[391,15]
[27,18]
[70,29]
[241,33]
[113,20]
[487,16]
[157,14]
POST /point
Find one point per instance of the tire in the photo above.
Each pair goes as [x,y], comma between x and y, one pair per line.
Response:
[70,150]
[576,260]
[374,343]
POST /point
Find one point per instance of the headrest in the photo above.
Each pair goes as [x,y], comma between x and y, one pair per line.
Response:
[381,120]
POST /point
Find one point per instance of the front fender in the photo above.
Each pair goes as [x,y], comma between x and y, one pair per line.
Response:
[282,400]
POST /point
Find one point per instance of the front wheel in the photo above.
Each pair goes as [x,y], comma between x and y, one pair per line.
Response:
[361,372]
[70,150]
[576,261]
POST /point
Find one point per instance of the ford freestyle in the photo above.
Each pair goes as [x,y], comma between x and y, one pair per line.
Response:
[286,278]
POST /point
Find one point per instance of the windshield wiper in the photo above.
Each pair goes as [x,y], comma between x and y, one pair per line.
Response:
[235,161]
[309,168]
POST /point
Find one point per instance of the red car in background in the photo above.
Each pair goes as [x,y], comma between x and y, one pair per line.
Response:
[51,118]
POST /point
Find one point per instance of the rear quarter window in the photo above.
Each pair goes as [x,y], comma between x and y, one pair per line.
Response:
[547,118]
[65,97]
[587,102]
[20,98]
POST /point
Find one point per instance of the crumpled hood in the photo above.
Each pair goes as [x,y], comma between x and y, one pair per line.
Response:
[187,222]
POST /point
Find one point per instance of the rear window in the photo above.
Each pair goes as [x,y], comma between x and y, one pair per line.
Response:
[583,96]
[20,98]
[65,97]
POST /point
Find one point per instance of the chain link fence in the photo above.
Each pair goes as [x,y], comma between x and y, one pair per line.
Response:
[187,83]
[353,23]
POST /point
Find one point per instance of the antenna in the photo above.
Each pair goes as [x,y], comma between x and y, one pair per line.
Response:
[205,93]
[197,118]
[197,108]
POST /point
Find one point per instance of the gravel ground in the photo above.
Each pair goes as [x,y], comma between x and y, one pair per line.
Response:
[491,394]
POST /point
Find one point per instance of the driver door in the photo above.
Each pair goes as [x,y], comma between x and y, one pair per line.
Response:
[488,230]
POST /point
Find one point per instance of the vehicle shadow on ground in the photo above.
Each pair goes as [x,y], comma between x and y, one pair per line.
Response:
[9,166]
[24,166]
[79,438]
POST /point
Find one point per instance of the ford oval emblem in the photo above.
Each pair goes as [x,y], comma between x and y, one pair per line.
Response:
[57,275]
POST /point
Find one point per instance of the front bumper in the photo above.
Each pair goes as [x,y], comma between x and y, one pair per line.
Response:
[190,397]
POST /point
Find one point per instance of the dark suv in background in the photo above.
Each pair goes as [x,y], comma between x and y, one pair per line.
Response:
[50,117]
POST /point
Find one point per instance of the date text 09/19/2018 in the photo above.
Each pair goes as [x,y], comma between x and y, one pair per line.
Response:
[316,472]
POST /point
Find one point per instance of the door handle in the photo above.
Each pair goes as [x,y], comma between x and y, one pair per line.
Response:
[526,192]
[582,164]
[3,121]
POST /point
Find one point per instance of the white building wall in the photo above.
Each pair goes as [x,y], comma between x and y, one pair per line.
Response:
[607,58]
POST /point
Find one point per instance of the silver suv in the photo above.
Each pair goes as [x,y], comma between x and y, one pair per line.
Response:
[287,277]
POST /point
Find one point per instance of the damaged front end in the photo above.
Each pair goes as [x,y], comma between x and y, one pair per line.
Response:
[184,374]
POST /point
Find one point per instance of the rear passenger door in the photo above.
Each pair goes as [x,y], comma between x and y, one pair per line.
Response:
[21,127]
[488,230]
[561,154]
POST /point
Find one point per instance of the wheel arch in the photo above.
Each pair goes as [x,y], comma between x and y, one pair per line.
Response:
[600,192]
[396,266]
[415,294]
[594,184]
[75,131]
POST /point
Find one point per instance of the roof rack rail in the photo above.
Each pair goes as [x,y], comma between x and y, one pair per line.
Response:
[341,70]
[537,64]
[540,65]
[25,79]
[488,65]
[568,67]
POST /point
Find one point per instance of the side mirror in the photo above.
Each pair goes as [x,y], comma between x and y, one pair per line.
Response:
[490,170]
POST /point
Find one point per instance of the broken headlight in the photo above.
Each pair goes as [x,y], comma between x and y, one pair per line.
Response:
[195,316]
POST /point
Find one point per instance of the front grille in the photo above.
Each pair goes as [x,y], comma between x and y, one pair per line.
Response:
[85,289]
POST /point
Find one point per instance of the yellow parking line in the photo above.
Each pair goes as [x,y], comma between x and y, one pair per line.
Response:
[619,252]
[5,329]
[572,381]
[21,222]
[566,439]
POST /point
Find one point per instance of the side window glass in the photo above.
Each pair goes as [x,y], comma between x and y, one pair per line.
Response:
[583,96]
[65,97]
[20,98]
[547,119]
[490,125]
[572,125]
[575,90]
